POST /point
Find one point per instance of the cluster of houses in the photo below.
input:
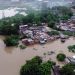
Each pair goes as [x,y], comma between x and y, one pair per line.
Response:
[35,34]
[38,34]
[56,68]
[68,25]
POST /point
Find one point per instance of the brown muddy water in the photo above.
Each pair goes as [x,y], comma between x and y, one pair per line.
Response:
[11,59]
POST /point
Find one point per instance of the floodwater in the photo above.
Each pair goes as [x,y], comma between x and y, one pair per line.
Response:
[11,59]
[9,12]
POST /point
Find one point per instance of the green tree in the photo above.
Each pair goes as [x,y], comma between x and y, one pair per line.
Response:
[11,40]
[45,68]
[35,66]
[61,57]
[31,67]
[63,12]
[64,17]
[51,24]
[53,33]
[72,48]
[68,69]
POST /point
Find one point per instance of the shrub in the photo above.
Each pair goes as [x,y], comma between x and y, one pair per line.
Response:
[61,57]
[71,48]
[53,33]
[22,46]
[68,33]
[11,40]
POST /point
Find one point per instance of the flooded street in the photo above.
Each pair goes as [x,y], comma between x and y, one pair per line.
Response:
[11,59]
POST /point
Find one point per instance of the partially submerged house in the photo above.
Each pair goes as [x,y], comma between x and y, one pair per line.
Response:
[68,25]
[37,34]
[28,41]
[71,60]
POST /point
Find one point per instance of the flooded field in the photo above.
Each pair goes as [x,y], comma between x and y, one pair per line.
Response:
[11,59]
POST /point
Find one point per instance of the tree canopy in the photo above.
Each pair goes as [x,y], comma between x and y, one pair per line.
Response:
[61,57]
[35,66]
[68,69]
[11,40]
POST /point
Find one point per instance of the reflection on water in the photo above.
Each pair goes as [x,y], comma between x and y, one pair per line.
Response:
[11,59]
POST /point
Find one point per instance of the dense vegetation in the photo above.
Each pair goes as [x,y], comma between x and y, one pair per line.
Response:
[10,26]
[71,48]
[11,40]
[53,33]
[68,69]
[69,33]
[63,12]
[35,66]
[61,57]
